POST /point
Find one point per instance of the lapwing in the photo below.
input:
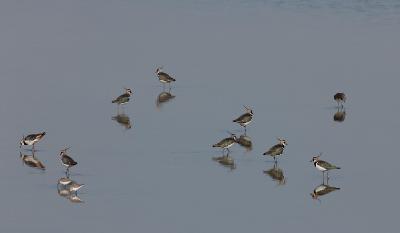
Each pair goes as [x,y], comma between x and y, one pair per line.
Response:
[277,149]
[226,143]
[340,98]
[323,165]
[31,139]
[245,118]
[74,187]
[32,161]
[123,120]
[66,160]
[276,174]
[164,77]
[321,190]
[124,98]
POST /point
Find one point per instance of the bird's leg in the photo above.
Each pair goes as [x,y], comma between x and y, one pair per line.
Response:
[245,130]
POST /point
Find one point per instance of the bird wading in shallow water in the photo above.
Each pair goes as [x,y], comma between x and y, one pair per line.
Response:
[164,77]
[31,139]
[340,98]
[66,160]
[245,118]
[323,165]
[277,149]
[226,143]
[124,98]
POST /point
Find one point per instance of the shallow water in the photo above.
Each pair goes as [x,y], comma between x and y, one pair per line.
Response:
[62,64]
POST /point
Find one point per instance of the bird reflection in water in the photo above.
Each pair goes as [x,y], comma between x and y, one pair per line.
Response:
[163,98]
[340,115]
[123,120]
[32,161]
[68,189]
[245,142]
[322,190]
[226,161]
[276,174]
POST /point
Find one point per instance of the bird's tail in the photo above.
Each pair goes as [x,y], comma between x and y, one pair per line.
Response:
[44,133]
[215,145]
[173,80]
[337,167]
[114,101]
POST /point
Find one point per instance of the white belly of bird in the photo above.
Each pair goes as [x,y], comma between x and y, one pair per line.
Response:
[163,81]
[246,123]
[320,168]
[30,143]
[228,146]
[320,188]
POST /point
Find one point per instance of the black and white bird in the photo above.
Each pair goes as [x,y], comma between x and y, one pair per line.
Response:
[124,98]
[323,165]
[226,143]
[66,160]
[340,98]
[164,77]
[31,139]
[277,149]
[245,118]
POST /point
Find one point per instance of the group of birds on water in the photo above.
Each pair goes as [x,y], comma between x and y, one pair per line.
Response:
[276,150]
[68,188]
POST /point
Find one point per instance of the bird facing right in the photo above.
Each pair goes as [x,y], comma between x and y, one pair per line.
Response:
[226,143]
[277,149]
[245,118]
[124,98]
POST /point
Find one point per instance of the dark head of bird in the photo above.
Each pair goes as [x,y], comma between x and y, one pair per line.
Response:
[64,151]
[159,69]
[128,91]
[340,96]
[315,158]
[248,110]
[22,142]
[282,141]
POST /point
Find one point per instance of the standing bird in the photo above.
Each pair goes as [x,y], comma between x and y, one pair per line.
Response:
[245,118]
[277,149]
[124,98]
[66,160]
[340,98]
[226,143]
[31,139]
[164,77]
[323,166]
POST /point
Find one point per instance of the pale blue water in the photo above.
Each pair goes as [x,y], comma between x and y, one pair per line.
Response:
[61,64]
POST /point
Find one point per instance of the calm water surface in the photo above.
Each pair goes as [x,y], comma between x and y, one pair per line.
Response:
[151,168]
